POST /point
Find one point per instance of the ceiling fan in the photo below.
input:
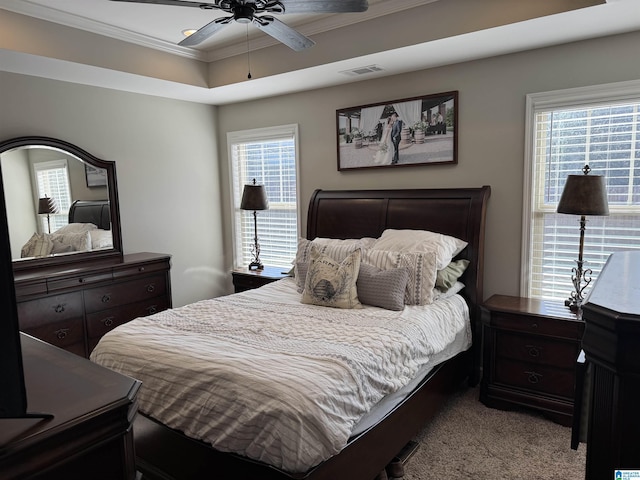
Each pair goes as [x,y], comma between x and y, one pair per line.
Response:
[251,11]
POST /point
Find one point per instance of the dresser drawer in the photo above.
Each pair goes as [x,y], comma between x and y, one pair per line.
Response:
[136,270]
[110,296]
[535,377]
[67,334]
[78,281]
[537,325]
[34,313]
[102,322]
[536,349]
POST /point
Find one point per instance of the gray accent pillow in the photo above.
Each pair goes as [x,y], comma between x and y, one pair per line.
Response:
[382,288]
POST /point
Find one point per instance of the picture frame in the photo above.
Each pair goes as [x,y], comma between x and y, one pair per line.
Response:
[96,177]
[427,132]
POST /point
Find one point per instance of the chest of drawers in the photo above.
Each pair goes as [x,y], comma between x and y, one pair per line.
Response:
[73,309]
[530,351]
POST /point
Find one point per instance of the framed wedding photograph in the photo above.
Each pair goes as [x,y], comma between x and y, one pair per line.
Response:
[399,133]
[96,177]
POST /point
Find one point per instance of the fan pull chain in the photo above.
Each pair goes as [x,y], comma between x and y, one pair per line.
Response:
[248,55]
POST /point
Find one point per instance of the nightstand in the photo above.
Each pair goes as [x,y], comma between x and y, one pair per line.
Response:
[245,279]
[529,355]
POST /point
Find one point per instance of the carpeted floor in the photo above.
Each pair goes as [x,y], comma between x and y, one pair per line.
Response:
[470,441]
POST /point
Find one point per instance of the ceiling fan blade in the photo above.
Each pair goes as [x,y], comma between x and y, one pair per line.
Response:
[205,32]
[283,33]
[324,6]
[178,3]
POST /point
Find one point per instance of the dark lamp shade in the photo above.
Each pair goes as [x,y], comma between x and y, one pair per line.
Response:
[584,195]
[47,205]
[254,197]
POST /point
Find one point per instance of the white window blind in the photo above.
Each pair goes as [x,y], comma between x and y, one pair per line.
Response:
[268,156]
[600,132]
[52,179]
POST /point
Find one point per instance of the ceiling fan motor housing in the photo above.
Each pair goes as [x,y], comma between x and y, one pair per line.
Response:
[243,13]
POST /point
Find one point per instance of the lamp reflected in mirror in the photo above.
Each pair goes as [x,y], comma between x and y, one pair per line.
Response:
[582,195]
[47,206]
[254,197]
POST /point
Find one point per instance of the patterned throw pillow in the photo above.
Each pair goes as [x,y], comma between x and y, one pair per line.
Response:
[39,245]
[421,267]
[330,283]
[382,288]
[336,249]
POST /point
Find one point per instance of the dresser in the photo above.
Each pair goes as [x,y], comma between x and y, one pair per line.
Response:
[88,432]
[529,355]
[72,308]
[611,342]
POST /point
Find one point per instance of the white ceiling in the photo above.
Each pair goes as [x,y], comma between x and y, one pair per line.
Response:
[159,27]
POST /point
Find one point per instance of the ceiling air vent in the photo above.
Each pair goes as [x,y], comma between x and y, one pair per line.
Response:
[362,70]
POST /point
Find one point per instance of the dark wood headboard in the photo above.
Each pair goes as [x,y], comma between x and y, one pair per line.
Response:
[91,211]
[459,212]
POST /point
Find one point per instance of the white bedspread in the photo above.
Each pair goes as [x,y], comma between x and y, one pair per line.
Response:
[262,375]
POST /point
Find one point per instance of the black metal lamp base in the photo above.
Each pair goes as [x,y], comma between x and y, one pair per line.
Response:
[256,266]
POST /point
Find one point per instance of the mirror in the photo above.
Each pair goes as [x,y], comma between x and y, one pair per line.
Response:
[55,194]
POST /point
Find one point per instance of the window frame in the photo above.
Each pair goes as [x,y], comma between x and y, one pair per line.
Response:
[61,218]
[581,97]
[263,134]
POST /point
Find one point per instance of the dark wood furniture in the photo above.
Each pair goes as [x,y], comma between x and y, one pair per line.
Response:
[89,434]
[611,340]
[245,279]
[73,307]
[164,453]
[530,352]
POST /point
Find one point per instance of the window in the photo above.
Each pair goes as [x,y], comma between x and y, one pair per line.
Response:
[268,155]
[52,180]
[598,126]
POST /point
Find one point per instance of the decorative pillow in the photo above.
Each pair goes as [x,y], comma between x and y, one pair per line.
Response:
[422,271]
[382,288]
[39,245]
[100,238]
[450,274]
[330,283]
[445,246]
[337,250]
[79,242]
[456,288]
[364,242]
[76,228]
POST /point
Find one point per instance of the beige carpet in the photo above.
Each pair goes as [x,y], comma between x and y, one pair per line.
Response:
[470,441]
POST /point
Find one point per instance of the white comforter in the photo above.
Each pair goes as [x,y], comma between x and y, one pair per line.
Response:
[263,375]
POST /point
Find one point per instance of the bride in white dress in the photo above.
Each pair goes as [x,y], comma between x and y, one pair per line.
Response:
[384,153]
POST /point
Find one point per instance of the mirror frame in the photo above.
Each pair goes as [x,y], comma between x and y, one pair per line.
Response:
[114,207]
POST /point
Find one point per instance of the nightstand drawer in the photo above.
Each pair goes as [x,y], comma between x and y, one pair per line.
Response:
[530,324]
[536,349]
[537,378]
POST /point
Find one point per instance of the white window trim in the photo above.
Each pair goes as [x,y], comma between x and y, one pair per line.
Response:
[259,135]
[607,93]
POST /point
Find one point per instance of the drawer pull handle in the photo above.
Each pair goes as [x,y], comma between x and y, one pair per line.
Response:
[152,309]
[141,269]
[106,298]
[59,308]
[534,325]
[533,377]
[151,287]
[108,321]
[62,333]
[533,351]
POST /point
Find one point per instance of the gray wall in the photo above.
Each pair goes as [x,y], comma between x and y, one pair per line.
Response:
[491,131]
[166,166]
[172,160]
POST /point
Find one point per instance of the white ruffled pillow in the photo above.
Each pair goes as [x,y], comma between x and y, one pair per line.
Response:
[445,247]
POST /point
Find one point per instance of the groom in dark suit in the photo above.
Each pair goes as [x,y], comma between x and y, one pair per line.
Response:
[396,130]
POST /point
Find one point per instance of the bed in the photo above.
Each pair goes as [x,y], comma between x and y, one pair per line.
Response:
[166,453]
[88,228]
